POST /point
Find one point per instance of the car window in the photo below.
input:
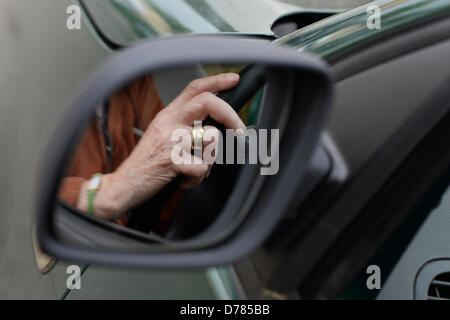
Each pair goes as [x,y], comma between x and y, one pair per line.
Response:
[125,21]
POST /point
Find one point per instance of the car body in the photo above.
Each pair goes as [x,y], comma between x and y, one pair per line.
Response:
[377,127]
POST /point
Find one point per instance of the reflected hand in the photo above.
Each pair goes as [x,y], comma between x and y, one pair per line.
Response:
[150,167]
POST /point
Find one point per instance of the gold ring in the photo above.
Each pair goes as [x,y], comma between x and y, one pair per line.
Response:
[197,137]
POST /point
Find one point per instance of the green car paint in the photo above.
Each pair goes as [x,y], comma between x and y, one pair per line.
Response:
[124,22]
[342,33]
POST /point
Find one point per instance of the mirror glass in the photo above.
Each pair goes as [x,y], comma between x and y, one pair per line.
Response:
[152,161]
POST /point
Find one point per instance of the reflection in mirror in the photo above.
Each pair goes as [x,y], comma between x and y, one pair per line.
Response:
[123,169]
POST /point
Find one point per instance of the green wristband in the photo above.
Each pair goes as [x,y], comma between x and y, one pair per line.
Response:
[91,197]
[94,185]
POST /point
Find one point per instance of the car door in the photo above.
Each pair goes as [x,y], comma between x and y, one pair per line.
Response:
[382,117]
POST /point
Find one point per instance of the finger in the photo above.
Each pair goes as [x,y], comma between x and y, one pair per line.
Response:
[193,173]
[190,183]
[213,84]
[209,171]
[211,136]
[210,144]
[207,104]
[195,168]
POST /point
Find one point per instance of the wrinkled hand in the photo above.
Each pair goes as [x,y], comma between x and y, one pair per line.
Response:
[150,167]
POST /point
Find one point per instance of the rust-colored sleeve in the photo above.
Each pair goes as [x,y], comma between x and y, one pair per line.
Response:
[70,189]
[89,158]
[134,106]
[146,100]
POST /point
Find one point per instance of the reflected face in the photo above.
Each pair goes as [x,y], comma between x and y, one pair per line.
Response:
[122,169]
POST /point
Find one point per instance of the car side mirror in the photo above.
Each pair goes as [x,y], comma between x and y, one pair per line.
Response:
[289,92]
